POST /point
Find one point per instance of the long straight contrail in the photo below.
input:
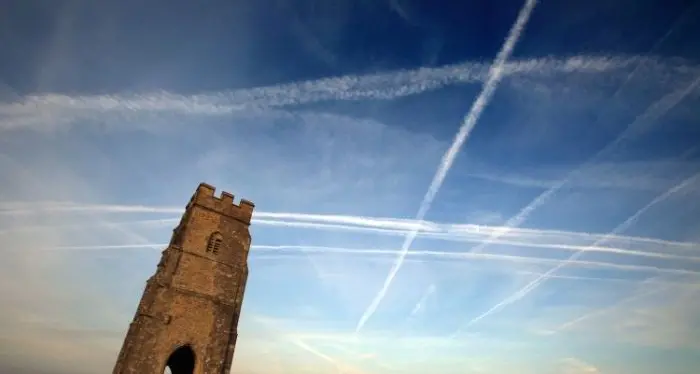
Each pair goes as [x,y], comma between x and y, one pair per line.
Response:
[470,120]
[287,250]
[660,253]
[621,227]
[640,124]
[94,217]
[273,218]
[23,208]
[517,237]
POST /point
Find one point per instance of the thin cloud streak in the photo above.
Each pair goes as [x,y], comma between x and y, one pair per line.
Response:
[28,208]
[259,252]
[399,225]
[531,238]
[679,21]
[621,227]
[341,367]
[53,109]
[607,250]
[601,279]
[81,226]
[601,311]
[301,344]
[640,124]
[630,176]
[421,303]
[470,120]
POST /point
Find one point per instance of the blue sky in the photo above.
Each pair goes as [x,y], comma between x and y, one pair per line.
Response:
[452,187]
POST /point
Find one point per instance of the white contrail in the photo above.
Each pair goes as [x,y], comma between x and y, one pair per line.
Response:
[453,237]
[57,109]
[601,311]
[391,223]
[299,343]
[640,124]
[624,176]
[340,367]
[91,213]
[272,218]
[260,250]
[25,208]
[519,237]
[494,77]
[473,256]
[420,304]
[652,51]
[603,279]
[621,227]
[90,225]
[516,243]
[601,249]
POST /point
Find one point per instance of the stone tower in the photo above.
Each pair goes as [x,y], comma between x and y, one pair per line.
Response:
[188,315]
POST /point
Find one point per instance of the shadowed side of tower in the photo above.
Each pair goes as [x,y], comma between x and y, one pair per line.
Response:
[187,318]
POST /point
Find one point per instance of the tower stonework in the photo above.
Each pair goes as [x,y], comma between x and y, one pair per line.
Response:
[187,319]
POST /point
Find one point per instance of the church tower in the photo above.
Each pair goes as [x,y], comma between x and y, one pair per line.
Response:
[188,315]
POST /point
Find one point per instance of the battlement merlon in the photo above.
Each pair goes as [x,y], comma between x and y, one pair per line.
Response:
[205,196]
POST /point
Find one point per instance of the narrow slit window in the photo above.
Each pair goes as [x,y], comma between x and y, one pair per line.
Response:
[214,244]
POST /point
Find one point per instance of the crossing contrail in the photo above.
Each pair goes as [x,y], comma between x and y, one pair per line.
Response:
[640,124]
[494,77]
[620,228]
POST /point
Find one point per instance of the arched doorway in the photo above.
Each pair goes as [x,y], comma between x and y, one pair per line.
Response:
[181,361]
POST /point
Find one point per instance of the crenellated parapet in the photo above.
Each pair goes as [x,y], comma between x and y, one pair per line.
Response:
[224,204]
